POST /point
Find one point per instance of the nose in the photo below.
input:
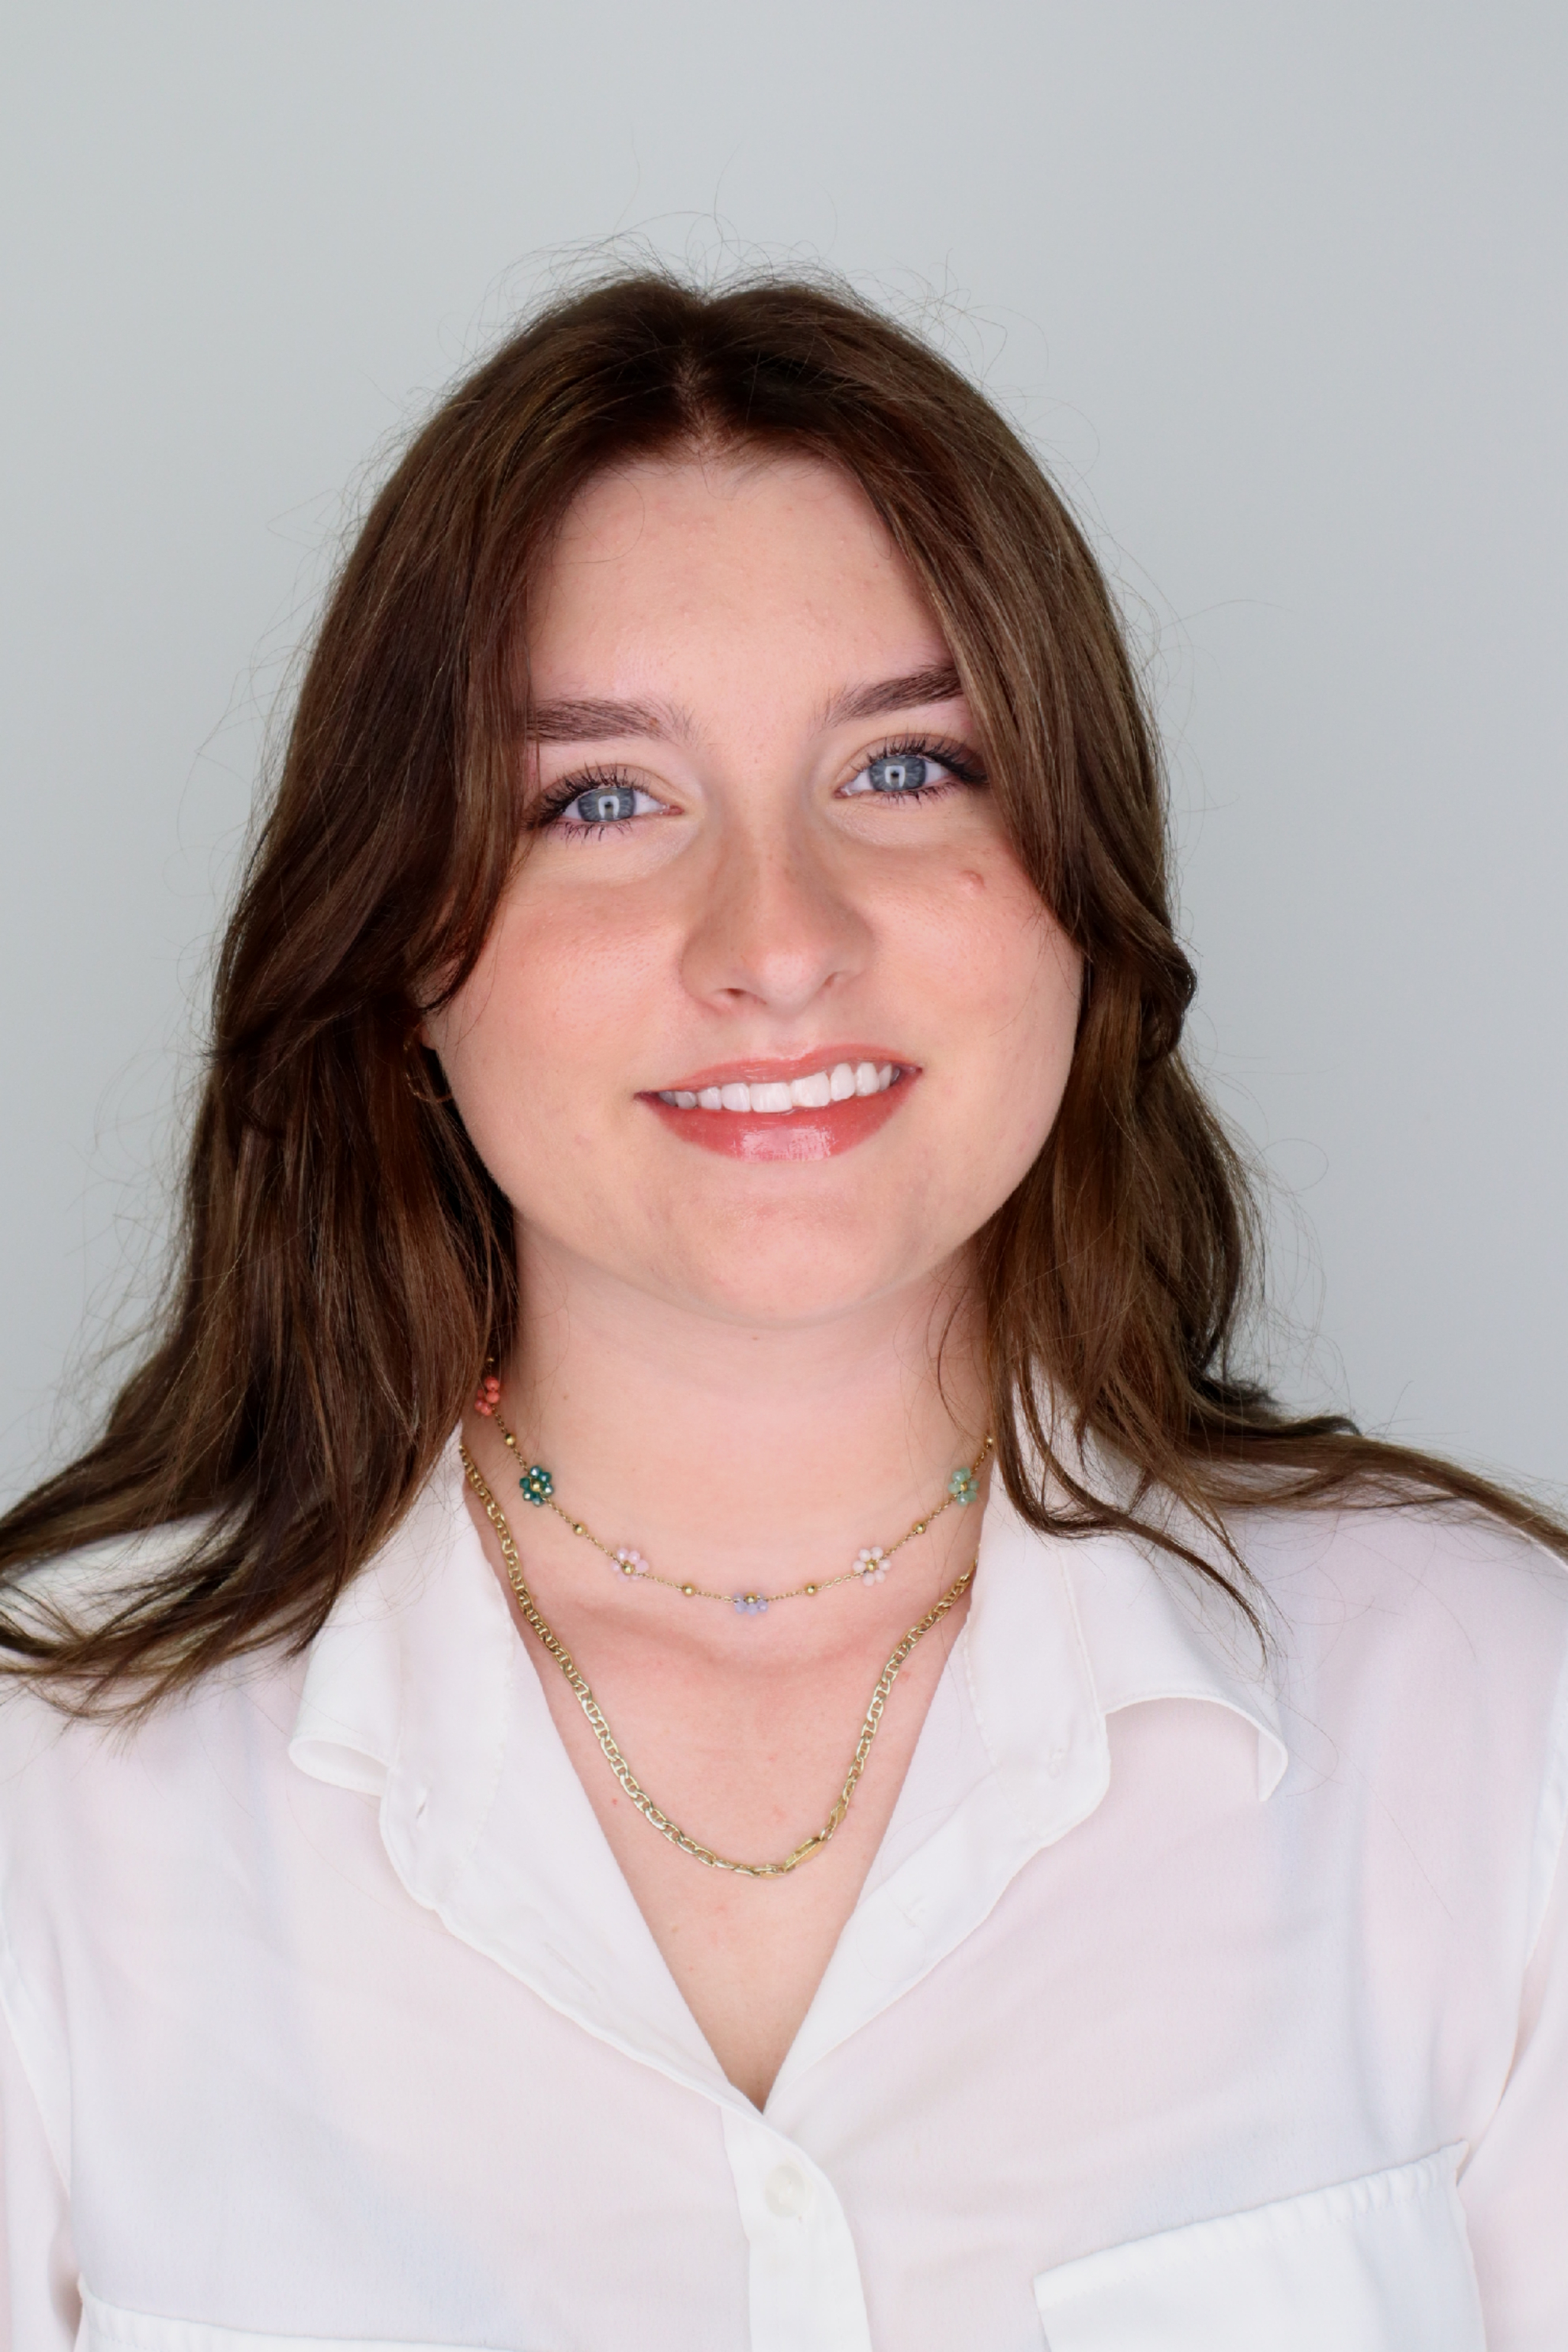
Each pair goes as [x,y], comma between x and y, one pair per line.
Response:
[774,925]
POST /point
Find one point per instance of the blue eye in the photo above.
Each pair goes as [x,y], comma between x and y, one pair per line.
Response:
[911,772]
[602,804]
[606,805]
[899,772]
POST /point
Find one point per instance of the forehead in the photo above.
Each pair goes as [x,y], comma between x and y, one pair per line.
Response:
[694,562]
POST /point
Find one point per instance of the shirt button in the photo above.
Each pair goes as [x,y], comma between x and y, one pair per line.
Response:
[788,2191]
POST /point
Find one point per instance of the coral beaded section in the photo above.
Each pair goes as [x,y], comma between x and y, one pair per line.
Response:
[870,1567]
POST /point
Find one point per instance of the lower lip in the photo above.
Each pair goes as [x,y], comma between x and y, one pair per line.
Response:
[786,1135]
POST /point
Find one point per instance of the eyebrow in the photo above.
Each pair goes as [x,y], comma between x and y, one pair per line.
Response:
[941,683]
[591,721]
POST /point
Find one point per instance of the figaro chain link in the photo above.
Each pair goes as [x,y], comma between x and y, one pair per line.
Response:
[636,1793]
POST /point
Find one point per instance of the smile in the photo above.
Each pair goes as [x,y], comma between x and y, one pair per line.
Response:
[787,1112]
[775,1098]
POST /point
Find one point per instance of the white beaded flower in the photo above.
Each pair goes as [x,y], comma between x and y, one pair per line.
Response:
[871,1566]
[630,1562]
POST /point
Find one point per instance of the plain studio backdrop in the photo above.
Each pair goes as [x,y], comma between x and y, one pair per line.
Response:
[1277,291]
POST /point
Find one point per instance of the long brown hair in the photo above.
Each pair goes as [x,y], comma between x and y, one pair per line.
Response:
[347,1264]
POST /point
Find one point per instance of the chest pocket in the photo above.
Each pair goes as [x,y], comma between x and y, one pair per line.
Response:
[1381,2264]
[106,2329]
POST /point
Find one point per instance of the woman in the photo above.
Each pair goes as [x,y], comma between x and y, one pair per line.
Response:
[535,1815]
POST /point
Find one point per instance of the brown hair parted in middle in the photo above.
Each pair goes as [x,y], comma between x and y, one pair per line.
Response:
[346,1262]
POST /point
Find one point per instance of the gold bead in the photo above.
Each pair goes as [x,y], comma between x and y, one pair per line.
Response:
[578,1529]
[920,1526]
[810,1588]
[689,1589]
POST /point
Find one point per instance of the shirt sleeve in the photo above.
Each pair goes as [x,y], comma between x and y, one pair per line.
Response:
[40,2307]
[1515,2186]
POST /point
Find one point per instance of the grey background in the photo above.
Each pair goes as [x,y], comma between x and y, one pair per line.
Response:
[1278,290]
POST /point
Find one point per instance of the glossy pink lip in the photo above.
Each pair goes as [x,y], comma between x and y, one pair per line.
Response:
[762,1072]
[815,1134]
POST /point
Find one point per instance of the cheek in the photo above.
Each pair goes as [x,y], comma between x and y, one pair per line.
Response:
[1009,971]
[559,993]
[1012,984]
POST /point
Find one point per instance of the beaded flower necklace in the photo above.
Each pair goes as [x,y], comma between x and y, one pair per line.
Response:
[539,1487]
[870,1564]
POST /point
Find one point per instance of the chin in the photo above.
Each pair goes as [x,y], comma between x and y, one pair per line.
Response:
[800,1270]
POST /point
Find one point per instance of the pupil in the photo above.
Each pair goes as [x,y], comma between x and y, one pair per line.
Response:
[605,805]
[904,772]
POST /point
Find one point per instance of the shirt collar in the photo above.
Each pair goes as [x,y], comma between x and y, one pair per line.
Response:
[417,1693]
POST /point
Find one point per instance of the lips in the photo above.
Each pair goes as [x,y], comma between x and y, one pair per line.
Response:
[778,1098]
[811,1108]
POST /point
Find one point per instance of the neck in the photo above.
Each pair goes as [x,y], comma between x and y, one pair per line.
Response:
[740,1452]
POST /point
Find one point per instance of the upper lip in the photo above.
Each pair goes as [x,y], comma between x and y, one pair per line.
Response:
[759,1073]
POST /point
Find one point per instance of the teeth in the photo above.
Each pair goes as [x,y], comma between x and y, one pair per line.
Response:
[814,1092]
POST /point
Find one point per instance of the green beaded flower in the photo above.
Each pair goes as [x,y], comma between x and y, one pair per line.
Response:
[962,1486]
[537,1484]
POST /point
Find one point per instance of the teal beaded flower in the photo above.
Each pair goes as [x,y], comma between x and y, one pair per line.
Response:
[537,1484]
[962,1486]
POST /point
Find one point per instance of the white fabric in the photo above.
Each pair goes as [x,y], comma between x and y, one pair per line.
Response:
[1174,2004]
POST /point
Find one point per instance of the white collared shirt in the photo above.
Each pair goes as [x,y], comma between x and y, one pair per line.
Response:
[1182,2012]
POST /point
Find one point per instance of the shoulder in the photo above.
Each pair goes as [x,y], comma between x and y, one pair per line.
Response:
[1421,1658]
[1384,1590]
[73,1776]
[115,1831]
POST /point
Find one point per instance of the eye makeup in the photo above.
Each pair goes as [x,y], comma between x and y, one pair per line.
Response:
[607,798]
[903,761]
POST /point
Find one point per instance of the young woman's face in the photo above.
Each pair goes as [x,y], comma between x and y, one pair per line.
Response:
[770,1020]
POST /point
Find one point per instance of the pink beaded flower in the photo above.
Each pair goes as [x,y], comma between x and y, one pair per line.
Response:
[871,1565]
[630,1562]
[488,1396]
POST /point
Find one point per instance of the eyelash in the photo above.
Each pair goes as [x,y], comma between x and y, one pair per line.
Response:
[956,758]
[548,812]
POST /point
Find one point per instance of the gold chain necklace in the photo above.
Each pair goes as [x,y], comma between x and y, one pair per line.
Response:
[618,1762]
[871,1563]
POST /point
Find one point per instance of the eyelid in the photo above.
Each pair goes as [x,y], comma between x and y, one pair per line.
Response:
[961,759]
[555,799]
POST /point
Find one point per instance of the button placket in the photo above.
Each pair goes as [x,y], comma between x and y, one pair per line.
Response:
[787,2191]
[806,2293]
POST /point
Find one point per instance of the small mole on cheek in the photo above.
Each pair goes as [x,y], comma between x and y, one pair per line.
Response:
[970,881]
